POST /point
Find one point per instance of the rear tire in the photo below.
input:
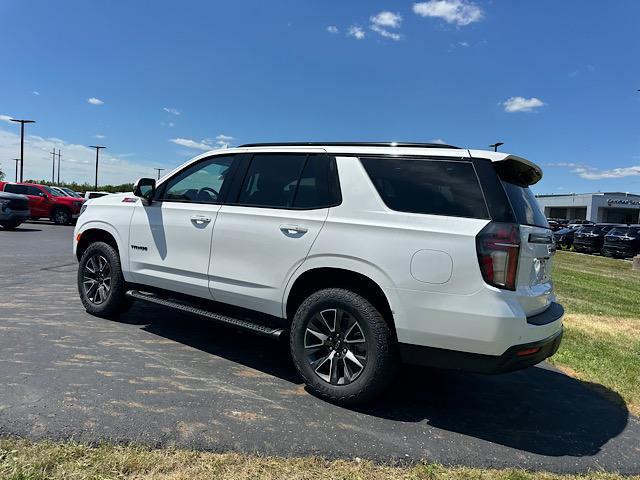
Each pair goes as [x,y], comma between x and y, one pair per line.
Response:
[101,284]
[342,347]
[61,216]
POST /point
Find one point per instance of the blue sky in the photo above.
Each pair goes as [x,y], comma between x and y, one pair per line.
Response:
[556,81]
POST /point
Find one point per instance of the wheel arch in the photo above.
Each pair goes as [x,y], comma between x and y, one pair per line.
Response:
[92,233]
[316,278]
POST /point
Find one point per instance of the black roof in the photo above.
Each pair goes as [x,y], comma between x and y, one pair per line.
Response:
[348,144]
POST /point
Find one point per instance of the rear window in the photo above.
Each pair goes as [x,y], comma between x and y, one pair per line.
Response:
[525,206]
[436,187]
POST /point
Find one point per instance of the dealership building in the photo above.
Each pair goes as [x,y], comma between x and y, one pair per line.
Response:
[605,207]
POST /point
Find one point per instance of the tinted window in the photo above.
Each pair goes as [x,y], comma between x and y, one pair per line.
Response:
[525,206]
[11,188]
[619,231]
[34,190]
[436,187]
[271,180]
[318,186]
[200,183]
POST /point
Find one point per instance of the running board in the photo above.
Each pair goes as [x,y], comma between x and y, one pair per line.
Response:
[258,328]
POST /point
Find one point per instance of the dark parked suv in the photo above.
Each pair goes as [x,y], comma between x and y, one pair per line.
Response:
[590,238]
[622,242]
[564,237]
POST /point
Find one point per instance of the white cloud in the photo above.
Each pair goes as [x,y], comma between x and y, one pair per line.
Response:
[36,92]
[521,104]
[78,161]
[94,101]
[438,140]
[356,32]
[464,44]
[189,143]
[172,111]
[597,174]
[99,135]
[562,164]
[386,33]
[458,12]
[386,19]
[224,138]
[333,29]
[5,118]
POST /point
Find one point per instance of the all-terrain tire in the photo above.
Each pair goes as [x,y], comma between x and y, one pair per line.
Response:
[114,302]
[381,356]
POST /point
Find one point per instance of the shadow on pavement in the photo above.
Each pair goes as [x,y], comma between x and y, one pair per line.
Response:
[21,230]
[538,410]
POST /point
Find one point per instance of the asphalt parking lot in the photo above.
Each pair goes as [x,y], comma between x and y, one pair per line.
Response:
[161,378]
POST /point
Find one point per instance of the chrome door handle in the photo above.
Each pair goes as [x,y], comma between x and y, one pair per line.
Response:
[293,229]
[200,219]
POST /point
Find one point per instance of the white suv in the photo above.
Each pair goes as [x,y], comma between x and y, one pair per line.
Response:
[364,254]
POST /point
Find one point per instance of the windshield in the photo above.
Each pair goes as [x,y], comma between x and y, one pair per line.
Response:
[525,206]
[621,231]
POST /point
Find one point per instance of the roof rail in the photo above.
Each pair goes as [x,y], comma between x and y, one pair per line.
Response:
[347,144]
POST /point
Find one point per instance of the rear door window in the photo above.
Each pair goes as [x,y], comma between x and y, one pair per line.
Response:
[619,231]
[436,187]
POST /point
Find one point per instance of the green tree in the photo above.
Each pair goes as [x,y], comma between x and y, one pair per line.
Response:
[1,174]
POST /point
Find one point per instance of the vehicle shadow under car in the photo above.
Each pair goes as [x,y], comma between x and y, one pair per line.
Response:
[538,410]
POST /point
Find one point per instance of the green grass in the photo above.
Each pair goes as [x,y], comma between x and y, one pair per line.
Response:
[597,285]
[22,460]
[601,297]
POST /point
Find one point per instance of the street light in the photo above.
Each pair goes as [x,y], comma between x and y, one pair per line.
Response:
[53,165]
[17,160]
[496,145]
[22,122]
[59,155]
[159,170]
[97,147]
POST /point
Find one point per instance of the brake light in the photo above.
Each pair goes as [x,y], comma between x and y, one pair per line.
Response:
[498,247]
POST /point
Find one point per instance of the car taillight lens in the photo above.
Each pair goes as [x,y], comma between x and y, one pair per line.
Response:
[498,246]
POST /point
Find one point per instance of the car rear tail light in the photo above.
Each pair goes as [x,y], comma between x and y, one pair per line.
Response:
[498,247]
[527,352]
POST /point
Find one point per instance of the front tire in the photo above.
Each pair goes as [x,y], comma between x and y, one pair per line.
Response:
[10,225]
[342,346]
[61,216]
[101,284]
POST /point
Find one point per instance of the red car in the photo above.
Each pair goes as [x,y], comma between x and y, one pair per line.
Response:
[45,202]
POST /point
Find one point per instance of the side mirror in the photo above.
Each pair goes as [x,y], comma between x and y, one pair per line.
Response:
[145,188]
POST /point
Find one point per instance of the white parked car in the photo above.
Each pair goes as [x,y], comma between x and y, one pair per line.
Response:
[365,255]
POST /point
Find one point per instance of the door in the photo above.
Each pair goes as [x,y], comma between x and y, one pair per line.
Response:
[266,234]
[170,240]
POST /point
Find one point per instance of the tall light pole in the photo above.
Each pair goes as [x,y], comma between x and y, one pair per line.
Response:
[53,165]
[159,170]
[22,122]
[17,160]
[97,147]
[496,145]
[59,155]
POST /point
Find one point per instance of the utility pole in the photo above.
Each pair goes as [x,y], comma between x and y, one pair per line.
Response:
[159,170]
[97,147]
[59,155]
[496,145]
[22,122]
[53,165]
[17,160]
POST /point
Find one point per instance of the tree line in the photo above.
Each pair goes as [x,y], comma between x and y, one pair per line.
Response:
[84,187]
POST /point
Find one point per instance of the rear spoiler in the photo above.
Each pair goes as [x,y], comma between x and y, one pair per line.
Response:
[518,170]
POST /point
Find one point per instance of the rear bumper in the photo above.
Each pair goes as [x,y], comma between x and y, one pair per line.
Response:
[478,363]
[515,357]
